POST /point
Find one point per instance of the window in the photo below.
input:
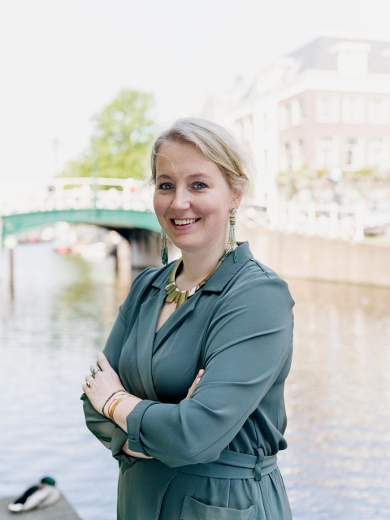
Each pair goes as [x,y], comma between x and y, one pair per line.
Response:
[238,129]
[327,108]
[265,122]
[351,150]
[297,112]
[378,111]
[285,116]
[375,154]
[325,153]
[353,109]
[265,162]
[285,157]
[247,128]
[297,154]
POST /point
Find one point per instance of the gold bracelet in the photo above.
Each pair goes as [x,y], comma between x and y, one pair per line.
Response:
[115,404]
[109,397]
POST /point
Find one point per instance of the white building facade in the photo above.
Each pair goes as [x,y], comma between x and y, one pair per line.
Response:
[324,108]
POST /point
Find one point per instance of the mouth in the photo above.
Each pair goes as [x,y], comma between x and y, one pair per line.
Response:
[184,222]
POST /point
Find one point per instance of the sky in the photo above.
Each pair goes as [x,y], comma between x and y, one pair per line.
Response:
[62,61]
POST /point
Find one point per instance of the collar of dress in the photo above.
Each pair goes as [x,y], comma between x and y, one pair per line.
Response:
[221,277]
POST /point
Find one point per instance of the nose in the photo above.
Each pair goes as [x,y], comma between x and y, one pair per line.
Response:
[180,200]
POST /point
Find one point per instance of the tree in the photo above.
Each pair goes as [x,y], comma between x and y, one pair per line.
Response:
[121,144]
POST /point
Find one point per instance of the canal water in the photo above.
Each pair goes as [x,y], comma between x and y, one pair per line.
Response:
[337,465]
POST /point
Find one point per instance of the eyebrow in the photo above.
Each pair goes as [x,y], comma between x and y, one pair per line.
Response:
[192,176]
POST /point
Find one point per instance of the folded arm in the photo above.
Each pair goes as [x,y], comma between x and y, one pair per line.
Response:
[248,351]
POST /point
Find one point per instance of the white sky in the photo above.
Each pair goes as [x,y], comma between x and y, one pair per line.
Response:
[61,61]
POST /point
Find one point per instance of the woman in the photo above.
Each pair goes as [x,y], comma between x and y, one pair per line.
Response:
[218,323]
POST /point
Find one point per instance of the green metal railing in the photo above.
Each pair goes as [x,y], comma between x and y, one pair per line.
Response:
[118,218]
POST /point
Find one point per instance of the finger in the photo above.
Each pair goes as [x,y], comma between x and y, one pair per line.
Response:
[195,383]
[86,387]
[88,380]
[192,388]
[198,378]
[200,373]
[103,361]
[94,369]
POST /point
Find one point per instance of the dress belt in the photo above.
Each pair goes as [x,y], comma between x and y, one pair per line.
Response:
[234,465]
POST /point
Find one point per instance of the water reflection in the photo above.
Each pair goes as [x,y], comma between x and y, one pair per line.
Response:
[338,400]
[338,395]
[62,311]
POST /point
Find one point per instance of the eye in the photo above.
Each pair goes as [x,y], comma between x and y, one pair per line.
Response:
[199,185]
[165,186]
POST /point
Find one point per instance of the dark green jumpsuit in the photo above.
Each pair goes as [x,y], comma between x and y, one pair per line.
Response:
[214,454]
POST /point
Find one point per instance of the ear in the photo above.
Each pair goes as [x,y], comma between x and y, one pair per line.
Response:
[236,198]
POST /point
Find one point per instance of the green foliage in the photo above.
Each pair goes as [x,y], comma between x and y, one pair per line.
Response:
[121,145]
[357,174]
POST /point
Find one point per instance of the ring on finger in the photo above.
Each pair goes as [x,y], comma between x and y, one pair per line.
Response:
[88,383]
[94,371]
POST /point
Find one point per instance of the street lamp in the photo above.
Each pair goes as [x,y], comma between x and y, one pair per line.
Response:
[335,176]
[95,160]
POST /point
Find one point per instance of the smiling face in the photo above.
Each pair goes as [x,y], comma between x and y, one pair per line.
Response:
[192,199]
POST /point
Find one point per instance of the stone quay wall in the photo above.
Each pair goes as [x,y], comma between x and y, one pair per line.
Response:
[316,258]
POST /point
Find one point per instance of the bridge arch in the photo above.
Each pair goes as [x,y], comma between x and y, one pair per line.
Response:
[118,219]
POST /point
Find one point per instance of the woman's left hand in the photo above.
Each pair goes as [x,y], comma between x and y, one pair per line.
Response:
[195,383]
[101,383]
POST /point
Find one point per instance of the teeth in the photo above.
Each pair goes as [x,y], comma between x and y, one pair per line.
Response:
[184,222]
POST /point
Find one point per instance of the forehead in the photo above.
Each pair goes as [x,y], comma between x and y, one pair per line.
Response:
[179,157]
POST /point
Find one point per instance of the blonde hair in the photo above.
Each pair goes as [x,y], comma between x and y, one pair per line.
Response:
[215,142]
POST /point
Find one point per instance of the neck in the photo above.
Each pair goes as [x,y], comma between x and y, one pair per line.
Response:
[197,267]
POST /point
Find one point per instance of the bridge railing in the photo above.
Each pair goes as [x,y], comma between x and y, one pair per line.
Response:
[325,220]
[74,193]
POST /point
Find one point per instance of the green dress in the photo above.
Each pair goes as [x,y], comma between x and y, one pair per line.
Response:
[214,454]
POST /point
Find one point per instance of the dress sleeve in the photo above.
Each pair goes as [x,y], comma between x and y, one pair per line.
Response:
[106,431]
[247,343]
[103,428]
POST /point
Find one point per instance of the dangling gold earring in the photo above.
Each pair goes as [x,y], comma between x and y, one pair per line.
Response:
[164,247]
[232,245]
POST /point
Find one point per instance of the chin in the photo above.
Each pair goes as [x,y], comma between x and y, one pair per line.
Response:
[185,246]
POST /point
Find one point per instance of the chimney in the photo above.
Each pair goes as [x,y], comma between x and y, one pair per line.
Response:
[239,83]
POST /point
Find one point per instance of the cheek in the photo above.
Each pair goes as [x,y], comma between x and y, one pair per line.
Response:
[218,217]
[158,204]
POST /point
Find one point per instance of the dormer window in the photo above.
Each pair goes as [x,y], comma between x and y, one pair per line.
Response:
[352,58]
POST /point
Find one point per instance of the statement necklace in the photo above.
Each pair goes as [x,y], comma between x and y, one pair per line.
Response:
[179,297]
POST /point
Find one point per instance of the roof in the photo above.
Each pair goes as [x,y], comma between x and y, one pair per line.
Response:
[320,54]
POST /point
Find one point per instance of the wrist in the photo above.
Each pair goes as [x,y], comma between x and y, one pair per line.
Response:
[117,402]
[122,408]
[110,399]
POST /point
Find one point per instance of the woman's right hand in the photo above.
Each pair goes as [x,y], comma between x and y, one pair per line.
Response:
[192,388]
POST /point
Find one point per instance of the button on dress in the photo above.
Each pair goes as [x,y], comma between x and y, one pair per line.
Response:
[238,327]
